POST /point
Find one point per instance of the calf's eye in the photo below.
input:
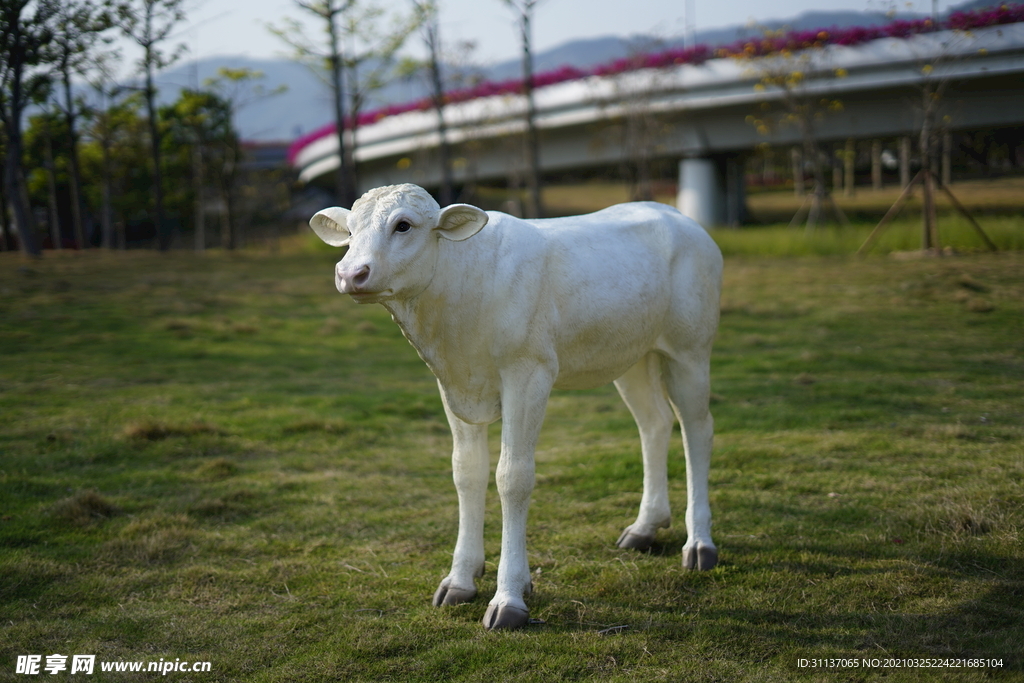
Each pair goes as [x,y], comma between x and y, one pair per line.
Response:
[403,226]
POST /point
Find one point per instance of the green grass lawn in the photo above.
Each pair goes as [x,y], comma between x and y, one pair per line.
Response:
[221,459]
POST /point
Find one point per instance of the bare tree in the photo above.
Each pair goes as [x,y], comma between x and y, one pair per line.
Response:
[370,58]
[149,23]
[447,66]
[358,57]
[318,56]
[431,32]
[642,128]
[25,35]
[935,80]
[789,75]
[524,17]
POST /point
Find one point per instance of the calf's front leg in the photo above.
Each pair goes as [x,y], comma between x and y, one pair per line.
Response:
[470,470]
[524,401]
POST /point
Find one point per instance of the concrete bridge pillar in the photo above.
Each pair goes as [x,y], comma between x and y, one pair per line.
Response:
[700,192]
[712,191]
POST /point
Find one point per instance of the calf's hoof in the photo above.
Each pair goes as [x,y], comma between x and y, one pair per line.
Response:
[505,617]
[632,541]
[449,595]
[702,557]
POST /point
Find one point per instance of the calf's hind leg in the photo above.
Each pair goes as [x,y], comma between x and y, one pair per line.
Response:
[642,390]
[688,381]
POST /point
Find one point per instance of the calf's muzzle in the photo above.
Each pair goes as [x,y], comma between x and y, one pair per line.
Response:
[351,280]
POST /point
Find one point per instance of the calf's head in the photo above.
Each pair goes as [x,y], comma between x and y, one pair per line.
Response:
[393,236]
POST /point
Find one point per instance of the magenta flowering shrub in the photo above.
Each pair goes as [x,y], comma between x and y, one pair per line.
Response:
[752,47]
[993,16]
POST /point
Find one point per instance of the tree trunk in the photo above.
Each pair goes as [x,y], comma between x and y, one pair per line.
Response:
[849,168]
[197,190]
[947,161]
[876,164]
[355,107]
[74,172]
[533,179]
[819,191]
[51,191]
[904,161]
[230,232]
[122,237]
[16,196]
[929,227]
[798,171]
[162,231]
[14,181]
[5,222]
[343,185]
[930,223]
[444,151]
[107,209]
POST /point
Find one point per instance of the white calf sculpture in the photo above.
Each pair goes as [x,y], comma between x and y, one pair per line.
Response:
[503,310]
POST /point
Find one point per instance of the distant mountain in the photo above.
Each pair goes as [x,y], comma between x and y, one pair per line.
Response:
[306,104]
[303,107]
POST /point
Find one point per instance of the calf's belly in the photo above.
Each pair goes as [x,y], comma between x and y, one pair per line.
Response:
[593,378]
[602,359]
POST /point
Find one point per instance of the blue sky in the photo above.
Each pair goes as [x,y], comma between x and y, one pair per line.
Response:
[237,27]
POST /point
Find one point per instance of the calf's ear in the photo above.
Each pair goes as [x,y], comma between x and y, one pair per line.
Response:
[460,221]
[331,225]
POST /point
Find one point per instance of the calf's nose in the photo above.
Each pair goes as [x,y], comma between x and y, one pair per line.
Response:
[351,280]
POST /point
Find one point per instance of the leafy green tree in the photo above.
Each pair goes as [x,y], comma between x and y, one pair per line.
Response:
[200,137]
[116,164]
[45,153]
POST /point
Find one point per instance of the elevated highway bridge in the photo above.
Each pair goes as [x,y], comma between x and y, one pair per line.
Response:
[704,115]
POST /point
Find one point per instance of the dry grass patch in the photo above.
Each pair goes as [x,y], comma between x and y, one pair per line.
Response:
[963,516]
[366,327]
[85,507]
[306,426]
[980,305]
[183,327]
[157,539]
[154,430]
[216,469]
[968,282]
